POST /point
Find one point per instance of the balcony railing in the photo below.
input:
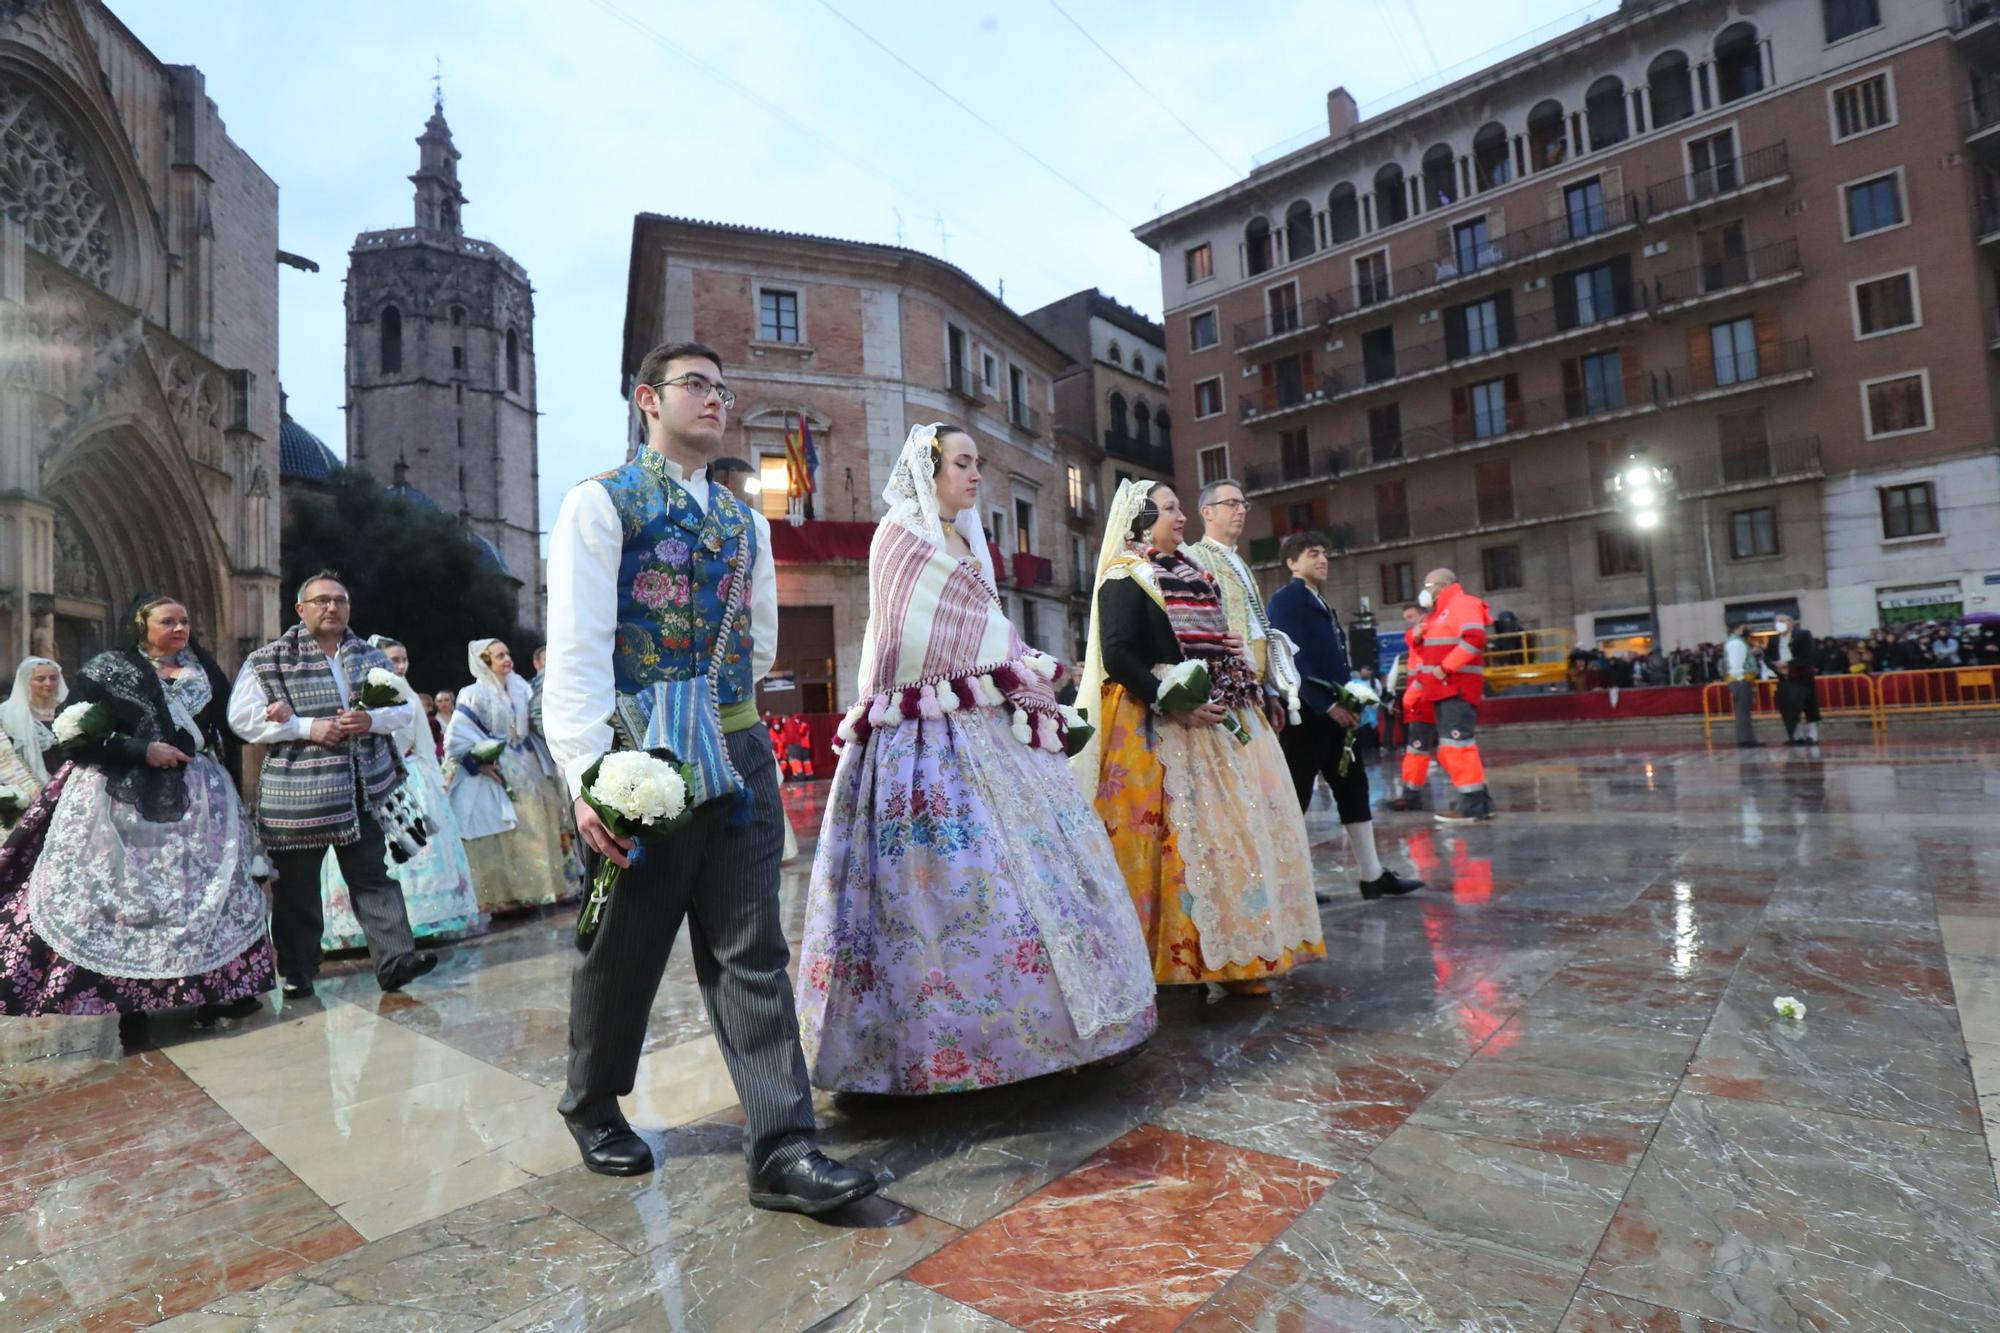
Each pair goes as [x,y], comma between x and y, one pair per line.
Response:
[1083,511]
[1787,460]
[1967,13]
[1291,471]
[962,380]
[1130,448]
[1982,109]
[1768,261]
[1513,247]
[1284,320]
[1740,370]
[1719,181]
[1032,571]
[1985,219]
[1026,418]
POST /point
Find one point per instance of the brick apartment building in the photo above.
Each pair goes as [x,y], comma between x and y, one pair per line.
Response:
[1112,419]
[863,341]
[1752,242]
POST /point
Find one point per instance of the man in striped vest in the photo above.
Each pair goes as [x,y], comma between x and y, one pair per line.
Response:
[1447,680]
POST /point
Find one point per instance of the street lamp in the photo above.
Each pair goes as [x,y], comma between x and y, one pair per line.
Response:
[1642,490]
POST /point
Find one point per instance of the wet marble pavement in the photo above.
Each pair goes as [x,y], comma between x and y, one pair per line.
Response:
[1548,1093]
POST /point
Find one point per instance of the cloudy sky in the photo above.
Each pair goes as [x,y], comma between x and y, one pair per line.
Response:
[791,114]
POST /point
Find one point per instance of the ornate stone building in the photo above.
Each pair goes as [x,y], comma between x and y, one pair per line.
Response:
[441,369]
[138,344]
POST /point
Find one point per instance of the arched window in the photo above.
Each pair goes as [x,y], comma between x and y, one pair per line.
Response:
[1440,176]
[1117,353]
[1492,163]
[1142,423]
[1160,373]
[1392,202]
[1548,137]
[1844,18]
[1739,64]
[1164,425]
[1257,246]
[448,215]
[1669,88]
[1299,238]
[1604,113]
[1138,364]
[392,340]
[1120,427]
[458,316]
[513,361]
[1343,214]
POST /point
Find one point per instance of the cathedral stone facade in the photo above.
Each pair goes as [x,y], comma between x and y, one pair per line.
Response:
[441,369]
[138,345]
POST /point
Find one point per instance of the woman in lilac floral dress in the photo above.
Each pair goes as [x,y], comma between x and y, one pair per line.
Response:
[967,924]
[128,884]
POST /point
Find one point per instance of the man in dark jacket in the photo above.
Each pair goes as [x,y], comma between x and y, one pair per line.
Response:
[1314,747]
[1790,653]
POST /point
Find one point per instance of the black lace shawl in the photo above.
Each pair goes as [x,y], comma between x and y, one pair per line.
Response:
[125,682]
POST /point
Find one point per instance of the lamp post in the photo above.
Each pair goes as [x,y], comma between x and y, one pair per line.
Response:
[1642,490]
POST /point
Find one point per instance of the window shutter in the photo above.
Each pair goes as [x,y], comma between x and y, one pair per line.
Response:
[1461,414]
[1572,369]
[1319,513]
[1505,301]
[1621,284]
[1628,371]
[1565,300]
[1701,358]
[1768,346]
[1516,416]
[1455,342]
[1306,371]
[1267,384]
[1447,244]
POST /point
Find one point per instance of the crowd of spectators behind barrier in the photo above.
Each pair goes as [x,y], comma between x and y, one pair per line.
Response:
[1918,646]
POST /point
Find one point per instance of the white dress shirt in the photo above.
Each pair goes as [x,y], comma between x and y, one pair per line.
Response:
[1736,658]
[579,692]
[247,703]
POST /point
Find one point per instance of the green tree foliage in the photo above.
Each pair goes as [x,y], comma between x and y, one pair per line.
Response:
[414,572]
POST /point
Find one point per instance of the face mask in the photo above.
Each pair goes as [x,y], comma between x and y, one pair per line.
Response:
[1425,598]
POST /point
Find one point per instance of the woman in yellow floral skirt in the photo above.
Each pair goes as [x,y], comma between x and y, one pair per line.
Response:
[1201,813]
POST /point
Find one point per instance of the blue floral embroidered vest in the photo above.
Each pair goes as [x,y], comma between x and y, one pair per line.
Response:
[673,581]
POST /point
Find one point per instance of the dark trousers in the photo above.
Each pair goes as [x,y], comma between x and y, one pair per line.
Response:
[298,921]
[1744,692]
[720,874]
[1798,701]
[1312,749]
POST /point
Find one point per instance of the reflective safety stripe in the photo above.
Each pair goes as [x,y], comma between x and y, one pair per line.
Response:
[1434,642]
[1470,671]
[1453,743]
[1469,645]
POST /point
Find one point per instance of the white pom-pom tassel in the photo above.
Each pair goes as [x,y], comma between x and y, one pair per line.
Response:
[947,697]
[1021,732]
[1293,716]
[878,712]
[1041,664]
[1045,732]
[927,703]
[849,729]
[992,692]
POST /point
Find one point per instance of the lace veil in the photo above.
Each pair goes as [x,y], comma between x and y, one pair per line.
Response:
[19,719]
[1126,506]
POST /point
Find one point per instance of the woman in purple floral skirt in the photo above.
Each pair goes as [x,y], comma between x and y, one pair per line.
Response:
[128,885]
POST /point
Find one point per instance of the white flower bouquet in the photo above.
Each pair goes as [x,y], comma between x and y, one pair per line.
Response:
[1077,730]
[1184,687]
[13,801]
[641,795]
[489,752]
[1355,695]
[380,689]
[1790,1008]
[82,724]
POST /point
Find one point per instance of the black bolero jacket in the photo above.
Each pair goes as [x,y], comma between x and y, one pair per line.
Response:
[1136,636]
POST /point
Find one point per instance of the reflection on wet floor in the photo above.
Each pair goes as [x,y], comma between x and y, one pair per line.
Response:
[1550,1091]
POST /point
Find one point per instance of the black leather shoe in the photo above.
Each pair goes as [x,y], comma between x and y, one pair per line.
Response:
[298,990]
[1409,801]
[209,1014]
[1389,885]
[612,1149]
[402,971]
[1322,897]
[812,1185]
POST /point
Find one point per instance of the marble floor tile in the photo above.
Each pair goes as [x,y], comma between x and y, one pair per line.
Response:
[1852,973]
[1779,1217]
[1596,1311]
[1335,1268]
[1986,1081]
[1566,1086]
[902,1306]
[1319,1095]
[1970,936]
[1647,986]
[1135,1239]
[1976,986]
[1461,1187]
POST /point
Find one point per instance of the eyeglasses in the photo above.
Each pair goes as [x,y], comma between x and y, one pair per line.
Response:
[1238,503]
[701,386]
[324,602]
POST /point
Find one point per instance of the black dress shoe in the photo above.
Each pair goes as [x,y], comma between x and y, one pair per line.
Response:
[1406,803]
[1389,885]
[298,990]
[209,1014]
[402,971]
[812,1185]
[612,1149]
[1322,897]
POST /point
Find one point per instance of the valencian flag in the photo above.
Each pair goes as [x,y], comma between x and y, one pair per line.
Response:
[801,461]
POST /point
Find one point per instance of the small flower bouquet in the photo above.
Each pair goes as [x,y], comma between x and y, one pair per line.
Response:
[82,724]
[1077,730]
[1354,696]
[13,800]
[1790,1008]
[489,752]
[639,794]
[381,689]
[1184,687]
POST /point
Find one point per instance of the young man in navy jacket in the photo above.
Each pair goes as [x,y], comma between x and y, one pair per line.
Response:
[1300,612]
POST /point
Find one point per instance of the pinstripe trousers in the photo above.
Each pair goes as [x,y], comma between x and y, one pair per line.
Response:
[722,878]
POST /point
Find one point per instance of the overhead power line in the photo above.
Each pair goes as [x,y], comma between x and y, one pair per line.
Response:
[949,96]
[1192,133]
